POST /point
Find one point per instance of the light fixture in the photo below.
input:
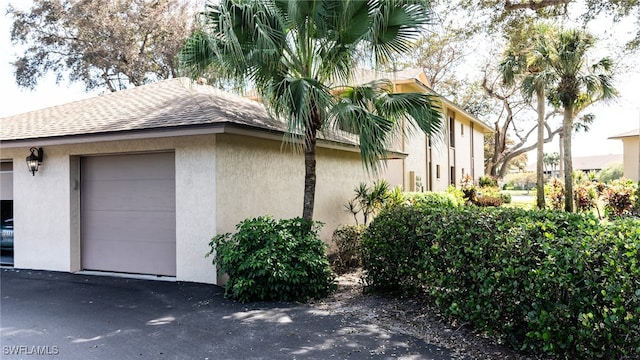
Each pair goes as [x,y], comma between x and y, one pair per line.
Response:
[33,160]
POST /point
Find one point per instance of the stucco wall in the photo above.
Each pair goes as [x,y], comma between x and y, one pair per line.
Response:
[416,161]
[631,160]
[42,229]
[478,144]
[46,206]
[258,177]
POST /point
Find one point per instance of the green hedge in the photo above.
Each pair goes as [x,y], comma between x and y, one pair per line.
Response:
[274,260]
[544,281]
[433,199]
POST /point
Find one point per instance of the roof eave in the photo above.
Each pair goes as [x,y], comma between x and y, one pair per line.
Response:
[191,130]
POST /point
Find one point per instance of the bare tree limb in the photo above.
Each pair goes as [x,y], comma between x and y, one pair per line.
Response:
[534,5]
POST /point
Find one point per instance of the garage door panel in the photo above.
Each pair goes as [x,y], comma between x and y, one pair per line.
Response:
[136,226]
[128,213]
[155,257]
[129,167]
[150,195]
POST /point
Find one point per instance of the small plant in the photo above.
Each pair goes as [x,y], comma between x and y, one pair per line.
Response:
[485,200]
[348,240]
[555,193]
[585,196]
[368,201]
[457,194]
[274,260]
[620,197]
[636,206]
[468,188]
[434,199]
[487,181]
[505,197]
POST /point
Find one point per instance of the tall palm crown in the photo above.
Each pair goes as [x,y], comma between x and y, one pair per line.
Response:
[300,56]
[576,84]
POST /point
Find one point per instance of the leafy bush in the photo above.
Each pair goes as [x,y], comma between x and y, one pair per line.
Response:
[505,197]
[348,240]
[468,188]
[274,260]
[487,181]
[610,173]
[585,196]
[544,281]
[433,199]
[520,181]
[485,200]
[457,194]
[554,192]
[620,197]
[636,206]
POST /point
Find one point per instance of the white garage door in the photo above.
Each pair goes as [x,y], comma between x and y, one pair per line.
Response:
[128,213]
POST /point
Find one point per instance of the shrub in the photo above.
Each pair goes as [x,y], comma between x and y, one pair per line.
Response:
[620,197]
[544,281]
[457,194]
[610,173]
[274,260]
[486,200]
[468,188]
[348,240]
[585,196]
[433,199]
[487,181]
[520,181]
[505,197]
[636,206]
[554,192]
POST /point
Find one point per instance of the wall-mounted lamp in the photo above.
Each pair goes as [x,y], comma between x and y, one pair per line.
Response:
[34,160]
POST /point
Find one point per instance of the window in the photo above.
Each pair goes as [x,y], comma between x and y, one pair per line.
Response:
[453,175]
[462,129]
[437,171]
[452,131]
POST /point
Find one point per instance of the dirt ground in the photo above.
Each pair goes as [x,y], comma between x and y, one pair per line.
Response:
[413,317]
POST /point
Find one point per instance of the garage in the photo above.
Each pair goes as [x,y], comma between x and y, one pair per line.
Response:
[128,213]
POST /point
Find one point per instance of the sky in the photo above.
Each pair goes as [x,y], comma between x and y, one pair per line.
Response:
[620,115]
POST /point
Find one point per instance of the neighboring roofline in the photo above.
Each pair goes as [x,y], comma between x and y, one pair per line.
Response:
[487,128]
[628,134]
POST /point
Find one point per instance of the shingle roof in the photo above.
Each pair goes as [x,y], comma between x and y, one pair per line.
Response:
[168,104]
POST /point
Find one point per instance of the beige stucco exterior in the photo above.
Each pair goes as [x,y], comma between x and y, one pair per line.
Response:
[453,153]
[631,153]
[46,206]
[221,179]
[258,177]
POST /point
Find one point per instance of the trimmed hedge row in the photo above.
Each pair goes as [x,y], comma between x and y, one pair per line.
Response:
[545,281]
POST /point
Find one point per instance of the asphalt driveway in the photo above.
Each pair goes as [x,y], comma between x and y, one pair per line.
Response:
[53,315]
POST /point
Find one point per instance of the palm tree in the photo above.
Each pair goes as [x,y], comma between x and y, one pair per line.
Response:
[577,85]
[529,64]
[300,56]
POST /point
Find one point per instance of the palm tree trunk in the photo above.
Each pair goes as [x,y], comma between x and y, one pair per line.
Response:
[309,176]
[567,127]
[540,152]
[561,155]
[310,142]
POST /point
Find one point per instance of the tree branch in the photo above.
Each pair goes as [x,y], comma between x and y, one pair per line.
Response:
[534,5]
